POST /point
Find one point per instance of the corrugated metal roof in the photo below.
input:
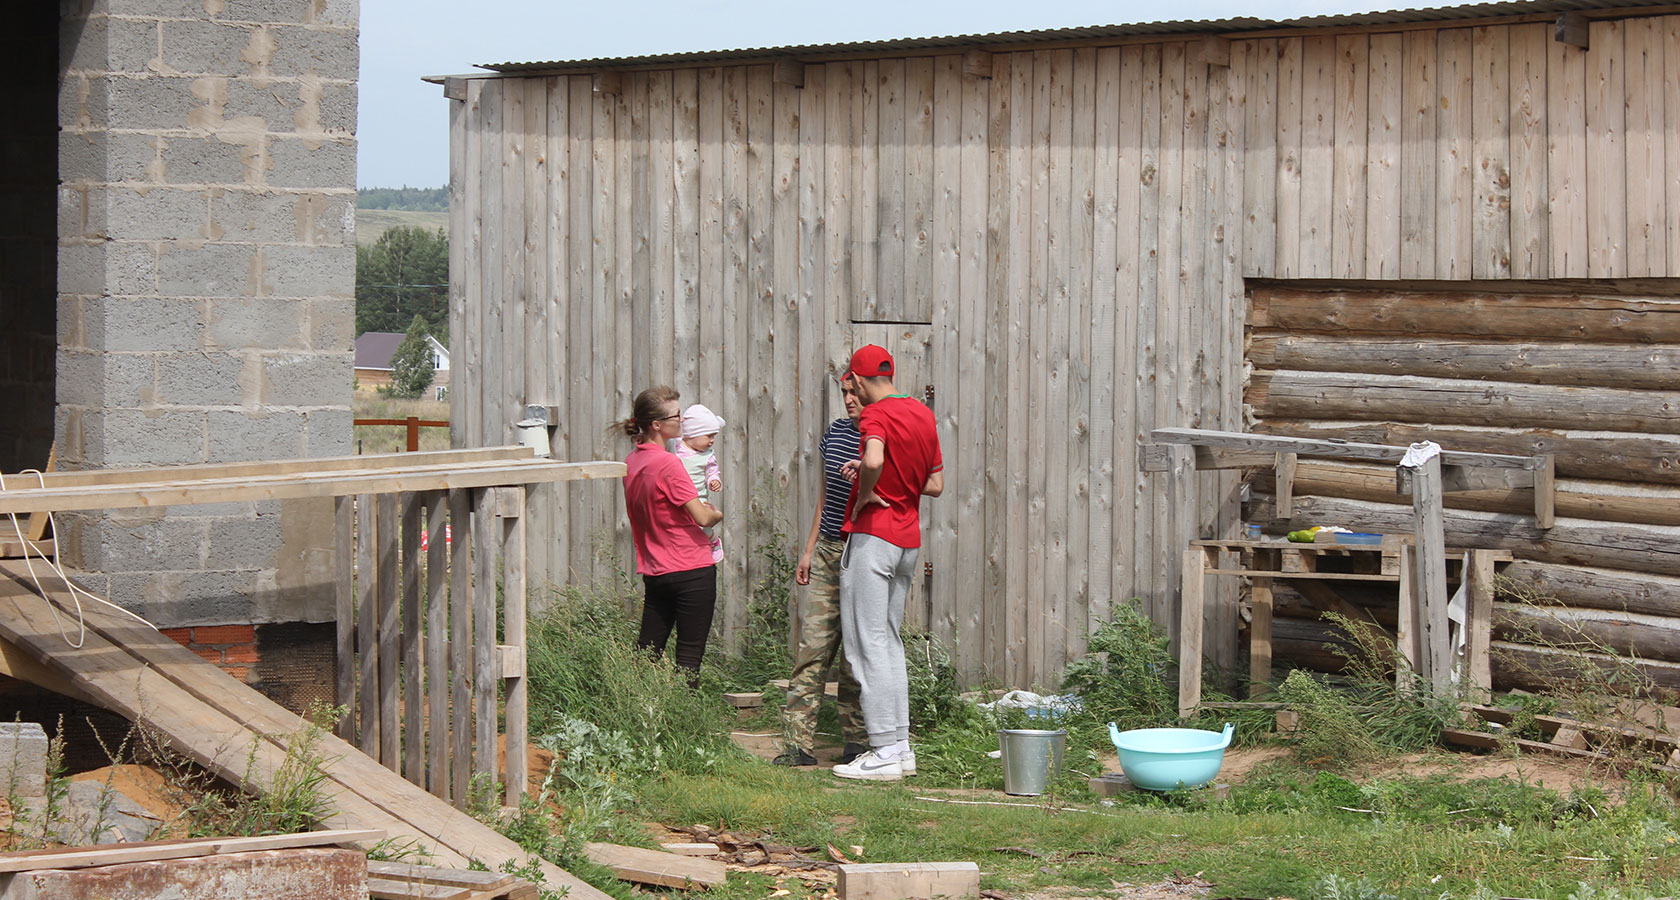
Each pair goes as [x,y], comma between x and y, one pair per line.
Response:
[1095,32]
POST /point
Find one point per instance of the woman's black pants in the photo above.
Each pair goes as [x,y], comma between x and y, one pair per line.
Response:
[684,601]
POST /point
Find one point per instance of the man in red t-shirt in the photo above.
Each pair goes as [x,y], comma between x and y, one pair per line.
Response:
[899,461]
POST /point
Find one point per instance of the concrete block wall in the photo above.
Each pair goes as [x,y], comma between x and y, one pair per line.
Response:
[206,272]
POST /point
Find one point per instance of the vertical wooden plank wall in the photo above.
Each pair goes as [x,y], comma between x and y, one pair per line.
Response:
[1075,228]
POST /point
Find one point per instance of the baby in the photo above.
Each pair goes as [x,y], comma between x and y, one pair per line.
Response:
[700,427]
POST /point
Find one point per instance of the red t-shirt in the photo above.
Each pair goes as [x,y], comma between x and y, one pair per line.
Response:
[656,487]
[911,440]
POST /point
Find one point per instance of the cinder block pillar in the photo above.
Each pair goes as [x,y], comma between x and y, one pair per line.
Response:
[206,257]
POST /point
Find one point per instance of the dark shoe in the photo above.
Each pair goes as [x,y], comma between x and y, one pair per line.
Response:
[852,752]
[795,757]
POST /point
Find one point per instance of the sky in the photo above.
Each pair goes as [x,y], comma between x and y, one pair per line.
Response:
[403,122]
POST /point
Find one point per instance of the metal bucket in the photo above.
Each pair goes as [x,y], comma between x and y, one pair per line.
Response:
[1030,759]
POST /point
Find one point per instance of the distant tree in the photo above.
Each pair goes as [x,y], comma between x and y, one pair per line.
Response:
[404,198]
[402,275]
[411,368]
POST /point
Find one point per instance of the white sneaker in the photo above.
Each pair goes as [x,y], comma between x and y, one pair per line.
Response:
[907,762]
[870,767]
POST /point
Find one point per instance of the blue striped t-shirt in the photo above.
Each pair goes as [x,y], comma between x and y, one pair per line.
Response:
[838,446]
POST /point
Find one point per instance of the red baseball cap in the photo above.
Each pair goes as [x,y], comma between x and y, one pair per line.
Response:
[872,361]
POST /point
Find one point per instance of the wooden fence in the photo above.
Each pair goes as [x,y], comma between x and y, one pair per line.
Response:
[1060,238]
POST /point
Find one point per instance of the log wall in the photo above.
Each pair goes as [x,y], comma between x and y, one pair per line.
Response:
[1063,234]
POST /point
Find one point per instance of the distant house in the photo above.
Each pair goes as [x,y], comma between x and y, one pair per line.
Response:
[374,351]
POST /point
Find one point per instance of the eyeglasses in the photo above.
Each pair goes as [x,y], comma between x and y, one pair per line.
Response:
[669,418]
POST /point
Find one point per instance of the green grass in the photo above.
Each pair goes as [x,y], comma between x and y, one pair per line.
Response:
[371,223]
[370,404]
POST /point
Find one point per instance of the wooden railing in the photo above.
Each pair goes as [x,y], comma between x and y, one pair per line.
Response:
[413,424]
[440,644]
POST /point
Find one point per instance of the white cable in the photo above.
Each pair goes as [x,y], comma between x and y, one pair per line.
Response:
[52,563]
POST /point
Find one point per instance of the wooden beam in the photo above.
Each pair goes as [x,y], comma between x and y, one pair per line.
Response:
[148,851]
[1431,582]
[1478,636]
[656,867]
[1158,458]
[977,64]
[897,881]
[788,71]
[455,88]
[370,461]
[1572,29]
[494,473]
[1190,632]
[1545,492]
[1234,440]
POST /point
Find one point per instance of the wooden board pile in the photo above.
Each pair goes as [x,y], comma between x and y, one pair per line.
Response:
[1652,733]
[409,881]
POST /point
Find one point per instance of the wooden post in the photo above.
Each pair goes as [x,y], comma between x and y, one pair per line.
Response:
[483,610]
[413,424]
[1285,490]
[437,644]
[513,634]
[1190,633]
[367,625]
[460,645]
[1545,492]
[1406,628]
[413,732]
[1260,626]
[344,596]
[1431,582]
[390,630]
[1478,622]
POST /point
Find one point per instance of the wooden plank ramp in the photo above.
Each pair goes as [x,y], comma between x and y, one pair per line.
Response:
[129,668]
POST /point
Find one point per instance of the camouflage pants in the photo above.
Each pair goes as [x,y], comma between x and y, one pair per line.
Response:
[818,655]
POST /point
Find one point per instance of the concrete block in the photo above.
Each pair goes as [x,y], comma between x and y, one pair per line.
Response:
[263,323]
[199,47]
[131,46]
[126,437]
[200,379]
[329,432]
[244,543]
[312,163]
[275,103]
[84,102]
[250,217]
[329,54]
[332,325]
[82,43]
[83,157]
[203,160]
[338,108]
[144,104]
[310,271]
[23,759]
[162,545]
[160,214]
[211,270]
[81,211]
[315,379]
[202,597]
[293,12]
[137,324]
[269,434]
[315,873]
[106,379]
[1111,784]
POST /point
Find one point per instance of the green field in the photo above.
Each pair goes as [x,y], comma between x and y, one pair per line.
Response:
[371,223]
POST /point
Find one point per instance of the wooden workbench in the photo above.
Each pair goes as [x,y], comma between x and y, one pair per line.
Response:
[1312,568]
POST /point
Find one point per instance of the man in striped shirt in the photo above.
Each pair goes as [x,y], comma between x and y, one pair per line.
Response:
[818,655]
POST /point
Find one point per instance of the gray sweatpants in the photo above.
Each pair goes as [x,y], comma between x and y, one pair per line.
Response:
[874,580]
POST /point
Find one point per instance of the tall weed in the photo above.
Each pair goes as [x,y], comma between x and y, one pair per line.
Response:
[1123,676]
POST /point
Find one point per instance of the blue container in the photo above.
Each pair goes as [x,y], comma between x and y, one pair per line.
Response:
[1359,537]
[1165,759]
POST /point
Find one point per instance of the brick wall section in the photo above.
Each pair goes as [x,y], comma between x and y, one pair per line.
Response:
[206,262]
[233,647]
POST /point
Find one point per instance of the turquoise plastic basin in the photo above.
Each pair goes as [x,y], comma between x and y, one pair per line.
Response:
[1165,759]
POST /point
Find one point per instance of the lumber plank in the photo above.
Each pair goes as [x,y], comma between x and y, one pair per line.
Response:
[493,232]
[1290,119]
[1383,157]
[389,621]
[1260,148]
[312,465]
[1266,443]
[1454,150]
[393,889]
[344,611]
[485,684]
[970,367]
[1585,313]
[1606,154]
[460,647]
[898,881]
[1017,635]
[1530,255]
[1646,226]
[467,878]
[367,626]
[1190,631]
[656,867]
[1490,135]
[297,485]
[696,848]
[516,690]
[161,676]
[437,630]
[1318,154]
[1555,362]
[1566,159]
[146,851]
[1350,187]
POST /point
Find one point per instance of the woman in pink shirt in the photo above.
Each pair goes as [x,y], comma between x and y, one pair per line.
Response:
[673,554]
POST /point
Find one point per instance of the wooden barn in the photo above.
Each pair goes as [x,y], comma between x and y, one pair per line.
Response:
[1459,224]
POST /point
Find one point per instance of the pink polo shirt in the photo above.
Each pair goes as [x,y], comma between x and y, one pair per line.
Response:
[656,487]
